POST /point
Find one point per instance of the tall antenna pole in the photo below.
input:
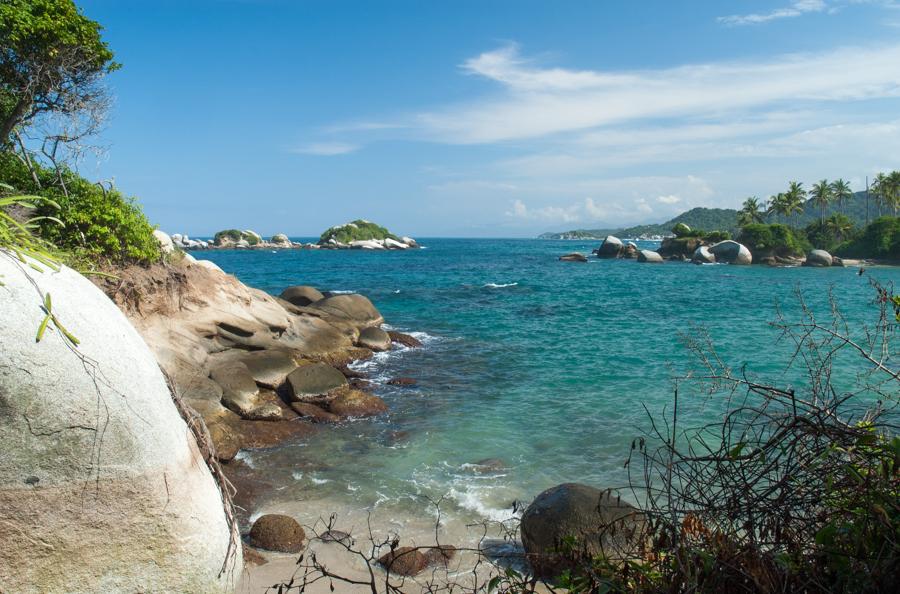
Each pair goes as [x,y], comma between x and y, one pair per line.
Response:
[867,201]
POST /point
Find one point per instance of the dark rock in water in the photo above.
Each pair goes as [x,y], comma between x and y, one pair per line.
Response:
[600,524]
[314,413]
[610,248]
[630,251]
[818,258]
[350,373]
[573,257]
[769,261]
[676,258]
[362,385]
[302,295]
[336,536]
[684,247]
[402,381]
[440,556]
[276,532]
[395,437]
[404,561]
[353,403]
[835,261]
[404,339]
[488,466]
[315,379]
[269,368]
[375,339]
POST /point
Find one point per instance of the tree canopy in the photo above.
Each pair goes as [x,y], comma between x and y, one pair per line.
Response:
[52,61]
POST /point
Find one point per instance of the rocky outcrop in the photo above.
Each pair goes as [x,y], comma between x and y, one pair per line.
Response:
[165,242]
[276,532]
[681,248]
[105,488]
[594,522]
[818,258]
[313,382]
[731,252]
[649,256]
[630,251]
[364,235]
[354,404]
[610,248]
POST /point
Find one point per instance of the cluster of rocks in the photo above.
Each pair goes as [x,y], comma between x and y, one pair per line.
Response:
[370,244]
[695,250]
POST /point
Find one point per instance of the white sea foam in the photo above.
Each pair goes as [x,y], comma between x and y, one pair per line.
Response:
[297,475]
[471,499]
[500,285]
[342,292]
[246,458]
[318,481]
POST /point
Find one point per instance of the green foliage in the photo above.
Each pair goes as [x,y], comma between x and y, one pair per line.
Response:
[51,59]
[716,236]
[695,218]
[235,235]
[772,240]
[828,234]
[357,230]
[681,230]
[881,239]
[89,222]
[17,236]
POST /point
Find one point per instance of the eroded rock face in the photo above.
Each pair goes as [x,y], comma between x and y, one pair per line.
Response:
[598,521]
[315,379]
[353,310]
[119,501]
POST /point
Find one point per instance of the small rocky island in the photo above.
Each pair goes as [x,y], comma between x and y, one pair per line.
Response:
[356,235]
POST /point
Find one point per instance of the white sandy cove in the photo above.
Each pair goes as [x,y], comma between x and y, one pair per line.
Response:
[464,569]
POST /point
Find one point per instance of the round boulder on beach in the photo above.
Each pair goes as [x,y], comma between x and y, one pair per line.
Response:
[404,561]
[596,522]
[276,532]
[818,258]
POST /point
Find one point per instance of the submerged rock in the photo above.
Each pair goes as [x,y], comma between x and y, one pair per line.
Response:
[598,523]
[353,403]
[573,257]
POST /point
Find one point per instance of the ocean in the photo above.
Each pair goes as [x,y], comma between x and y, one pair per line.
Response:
[548,369]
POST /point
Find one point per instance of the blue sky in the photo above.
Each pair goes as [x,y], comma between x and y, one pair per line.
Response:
[489,118]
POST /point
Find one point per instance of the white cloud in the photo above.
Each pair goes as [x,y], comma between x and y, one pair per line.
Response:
[670,199]
[540,102]
[326,149]
[548,214]
[795,9]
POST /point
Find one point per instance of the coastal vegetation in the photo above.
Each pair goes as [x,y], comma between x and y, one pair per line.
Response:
[358,230]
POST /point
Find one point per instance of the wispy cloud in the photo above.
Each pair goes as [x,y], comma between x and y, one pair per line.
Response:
[326,149]
[538,102]
[794,9]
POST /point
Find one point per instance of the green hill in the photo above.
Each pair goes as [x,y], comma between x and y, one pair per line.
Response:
[725,219]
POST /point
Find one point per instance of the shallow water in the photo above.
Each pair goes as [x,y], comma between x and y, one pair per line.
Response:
[545,365]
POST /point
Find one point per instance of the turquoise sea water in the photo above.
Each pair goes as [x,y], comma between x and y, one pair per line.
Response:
[542,364]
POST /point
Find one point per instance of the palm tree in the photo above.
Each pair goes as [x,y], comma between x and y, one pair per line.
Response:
[879,191]
[750,212]
[794,198]
[839,226]
[821,196]
[777,205]
[893,191]
[840,193]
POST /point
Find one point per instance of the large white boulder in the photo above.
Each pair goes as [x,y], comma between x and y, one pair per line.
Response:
[818,258]
[102,485]
[165,242]
[394,244]
[731,252]
[610,248]
[367,244]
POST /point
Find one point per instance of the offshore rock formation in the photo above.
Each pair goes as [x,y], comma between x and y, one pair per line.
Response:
[102,485]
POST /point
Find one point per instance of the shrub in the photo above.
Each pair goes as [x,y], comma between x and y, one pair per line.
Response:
[717,236]
[681,230]
[772,240]
[357,230]
[881,239]
[96,223]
